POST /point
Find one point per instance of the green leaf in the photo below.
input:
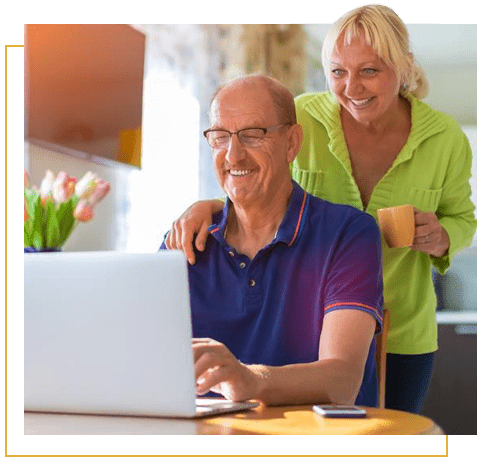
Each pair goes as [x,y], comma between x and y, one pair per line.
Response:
[48,226]
[31,197]
[37,240]
[51,226]
[28,225]
[65,217]
[26,237]
[36,236]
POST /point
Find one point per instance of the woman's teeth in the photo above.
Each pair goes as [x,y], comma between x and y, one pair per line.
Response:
[360,102]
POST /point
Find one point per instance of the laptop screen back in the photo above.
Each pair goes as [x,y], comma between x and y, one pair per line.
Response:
[108,332]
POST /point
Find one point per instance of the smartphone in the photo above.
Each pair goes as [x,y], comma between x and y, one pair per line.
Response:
[339,410]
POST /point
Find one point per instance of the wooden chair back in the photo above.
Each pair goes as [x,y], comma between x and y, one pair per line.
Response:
[381,340]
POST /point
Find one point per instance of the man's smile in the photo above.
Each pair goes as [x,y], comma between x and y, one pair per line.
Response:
[245,172]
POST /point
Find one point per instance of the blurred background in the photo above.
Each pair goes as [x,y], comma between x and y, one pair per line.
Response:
[165,76]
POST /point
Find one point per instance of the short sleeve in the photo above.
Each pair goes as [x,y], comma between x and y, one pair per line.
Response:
[354,280]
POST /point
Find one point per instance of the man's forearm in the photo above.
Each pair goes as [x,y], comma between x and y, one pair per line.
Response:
[323,381]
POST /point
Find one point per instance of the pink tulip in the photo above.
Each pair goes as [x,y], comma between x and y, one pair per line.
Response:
[63,187]
[25,179]
[58,187]
[71,182]
[83,211]
[86,185]
[102,188]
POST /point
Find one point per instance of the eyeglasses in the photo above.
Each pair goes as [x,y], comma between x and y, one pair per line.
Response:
[248,137]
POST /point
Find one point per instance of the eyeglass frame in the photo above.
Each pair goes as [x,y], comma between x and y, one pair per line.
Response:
[237,133]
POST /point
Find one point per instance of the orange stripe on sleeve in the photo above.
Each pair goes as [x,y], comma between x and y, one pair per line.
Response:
[354,304]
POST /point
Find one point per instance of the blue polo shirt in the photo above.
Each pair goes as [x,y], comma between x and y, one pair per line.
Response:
[270,310]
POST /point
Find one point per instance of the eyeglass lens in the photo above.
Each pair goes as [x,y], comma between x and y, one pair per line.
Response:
[248,137]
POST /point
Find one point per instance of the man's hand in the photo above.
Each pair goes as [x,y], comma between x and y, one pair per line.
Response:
[429,237]
[216,369]
[195,220]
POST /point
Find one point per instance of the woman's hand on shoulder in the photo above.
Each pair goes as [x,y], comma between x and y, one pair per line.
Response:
[429,236]
[194,221]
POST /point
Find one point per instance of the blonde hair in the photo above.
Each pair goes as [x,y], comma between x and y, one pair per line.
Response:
[382,29]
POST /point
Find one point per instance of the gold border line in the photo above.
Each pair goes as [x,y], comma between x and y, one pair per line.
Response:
[6,250]
[161,455]
[240,455]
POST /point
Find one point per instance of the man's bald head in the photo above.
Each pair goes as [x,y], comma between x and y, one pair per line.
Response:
[281,97]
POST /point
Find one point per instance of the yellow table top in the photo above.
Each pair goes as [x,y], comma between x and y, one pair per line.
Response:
[281,420]
[301,420]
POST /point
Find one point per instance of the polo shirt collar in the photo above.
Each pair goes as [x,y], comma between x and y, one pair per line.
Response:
[290,227]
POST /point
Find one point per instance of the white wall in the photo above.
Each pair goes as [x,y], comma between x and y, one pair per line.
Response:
[453,91]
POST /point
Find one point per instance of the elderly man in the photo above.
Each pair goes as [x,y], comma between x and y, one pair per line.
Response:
[287,295]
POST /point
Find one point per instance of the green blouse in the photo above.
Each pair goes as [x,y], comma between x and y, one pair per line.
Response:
[431,172]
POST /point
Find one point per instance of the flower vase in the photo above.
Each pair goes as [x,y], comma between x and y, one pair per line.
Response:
[44,249]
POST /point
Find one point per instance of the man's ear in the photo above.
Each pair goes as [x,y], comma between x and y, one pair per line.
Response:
[295,136]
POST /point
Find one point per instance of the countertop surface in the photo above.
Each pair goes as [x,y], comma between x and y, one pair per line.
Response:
[456,317]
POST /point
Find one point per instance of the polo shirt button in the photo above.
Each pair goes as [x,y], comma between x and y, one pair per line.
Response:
[231,253]
[252,282]
[242,265]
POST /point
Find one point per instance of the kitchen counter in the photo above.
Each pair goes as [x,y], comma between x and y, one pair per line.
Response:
[456,317]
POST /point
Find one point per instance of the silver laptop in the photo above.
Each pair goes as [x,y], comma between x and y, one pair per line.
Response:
[110,333]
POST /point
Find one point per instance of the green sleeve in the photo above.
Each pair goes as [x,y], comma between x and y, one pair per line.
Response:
[456,210]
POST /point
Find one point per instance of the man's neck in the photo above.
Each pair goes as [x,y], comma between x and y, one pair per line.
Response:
[250,228]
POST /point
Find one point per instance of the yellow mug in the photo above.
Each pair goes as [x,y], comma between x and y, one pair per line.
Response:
[397,225]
